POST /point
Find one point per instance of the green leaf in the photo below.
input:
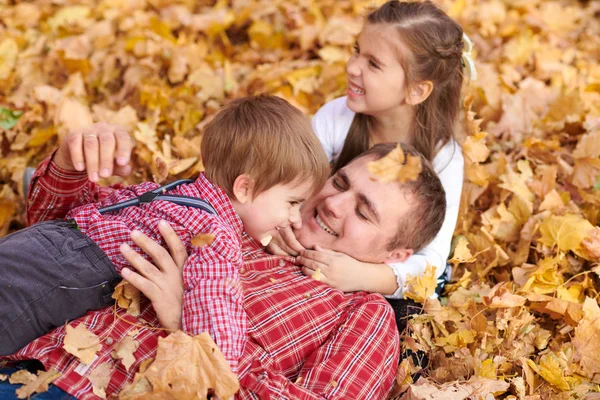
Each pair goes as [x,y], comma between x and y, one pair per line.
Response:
[597,185]
[9,118]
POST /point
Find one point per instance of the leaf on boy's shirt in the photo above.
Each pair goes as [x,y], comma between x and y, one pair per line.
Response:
[124,351]
[3,377]
[185,368]
[203,239]
[39,385]
[396,166]
[99,378]
[163,170]
[23,376]
[127,297]
[82,343]
[420,288]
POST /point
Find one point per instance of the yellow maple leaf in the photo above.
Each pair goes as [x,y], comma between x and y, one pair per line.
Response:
[185,368]
[420,288]
[203,239]
[396,166]
[475,149]
[550,368]
[545,279]
[82,343]
[70,15]
[127,297]
[566,232]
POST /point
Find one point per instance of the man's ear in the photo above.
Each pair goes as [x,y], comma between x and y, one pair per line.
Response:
[398,256]
[419,92]
[242,188]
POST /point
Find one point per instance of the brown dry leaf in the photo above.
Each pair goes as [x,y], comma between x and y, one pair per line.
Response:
[185,368]
[591,244]
[588,146]
[124,351]
[100,377]
[587,339]
[127,297]
[420,288]
[396,167]
[39,385]
[23,376]
[462,254]
[203,239]
[82,343]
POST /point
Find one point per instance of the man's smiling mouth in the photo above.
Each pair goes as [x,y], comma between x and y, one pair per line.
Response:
[324,226]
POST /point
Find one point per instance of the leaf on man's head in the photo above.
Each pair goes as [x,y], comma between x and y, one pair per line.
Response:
[127,297]
[82,343]
[396,166]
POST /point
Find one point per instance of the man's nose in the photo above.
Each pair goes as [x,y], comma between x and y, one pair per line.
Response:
[337,204]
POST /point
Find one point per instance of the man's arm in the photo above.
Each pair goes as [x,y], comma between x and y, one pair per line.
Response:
[66,179]
[358,361]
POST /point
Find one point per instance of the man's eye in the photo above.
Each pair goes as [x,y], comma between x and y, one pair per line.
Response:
[336,184]
[360,214]
[294,203]
[356,49]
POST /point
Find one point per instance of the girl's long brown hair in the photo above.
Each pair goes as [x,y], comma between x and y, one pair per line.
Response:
[435,46]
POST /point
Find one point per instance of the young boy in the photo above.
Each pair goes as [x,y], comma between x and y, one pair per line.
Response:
[261,161]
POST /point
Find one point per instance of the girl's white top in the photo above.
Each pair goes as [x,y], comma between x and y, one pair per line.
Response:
[331,124]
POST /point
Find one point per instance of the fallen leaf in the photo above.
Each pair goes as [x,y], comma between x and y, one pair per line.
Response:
[82,343]
[22,376]
[39,385]
[185,368]
[396,167]
[100,377]
[203,239]
[462,254]
[420,288]
[127,297]
[124,351]
[587,339]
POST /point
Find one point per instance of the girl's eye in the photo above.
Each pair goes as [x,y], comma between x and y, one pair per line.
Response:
[373,64]
[356,48]
[294,203]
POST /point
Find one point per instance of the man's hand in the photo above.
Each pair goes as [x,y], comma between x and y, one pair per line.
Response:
[101,149]
[284,243]
[336,269]
[163,285]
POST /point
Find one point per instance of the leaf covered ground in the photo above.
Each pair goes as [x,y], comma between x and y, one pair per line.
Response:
[521,319]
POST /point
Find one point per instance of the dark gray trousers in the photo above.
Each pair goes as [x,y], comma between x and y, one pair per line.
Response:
[50,273]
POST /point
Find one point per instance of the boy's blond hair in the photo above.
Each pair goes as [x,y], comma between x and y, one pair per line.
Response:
[266,138]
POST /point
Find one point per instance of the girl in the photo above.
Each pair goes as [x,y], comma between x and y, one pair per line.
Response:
[404,83]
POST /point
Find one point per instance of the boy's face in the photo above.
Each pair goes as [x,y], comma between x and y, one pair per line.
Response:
[277,207]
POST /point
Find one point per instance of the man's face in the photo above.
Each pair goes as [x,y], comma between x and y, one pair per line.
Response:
[355,214]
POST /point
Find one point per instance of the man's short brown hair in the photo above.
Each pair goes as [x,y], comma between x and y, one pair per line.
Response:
[422,223]
[266,138]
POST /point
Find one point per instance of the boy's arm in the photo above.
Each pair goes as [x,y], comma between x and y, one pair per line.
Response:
[358,361]
[213,301]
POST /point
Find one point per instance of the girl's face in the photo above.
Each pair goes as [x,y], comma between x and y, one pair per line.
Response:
[376,79]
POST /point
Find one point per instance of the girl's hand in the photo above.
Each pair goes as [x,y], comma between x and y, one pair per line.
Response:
[338,270]
[161,283]
[284,243]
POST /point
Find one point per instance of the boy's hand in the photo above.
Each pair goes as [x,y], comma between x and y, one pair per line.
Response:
[336,269]
[101,149]
[284,243]
[161,283]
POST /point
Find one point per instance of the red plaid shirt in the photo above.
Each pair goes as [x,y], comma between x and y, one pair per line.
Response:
[213,294]
[305,339]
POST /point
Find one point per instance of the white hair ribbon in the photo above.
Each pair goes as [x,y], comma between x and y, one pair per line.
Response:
[466,58]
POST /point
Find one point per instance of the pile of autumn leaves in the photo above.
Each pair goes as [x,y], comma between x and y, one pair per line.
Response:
[521,319]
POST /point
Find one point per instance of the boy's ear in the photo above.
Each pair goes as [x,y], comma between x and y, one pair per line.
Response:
[242,188]
[419,92]
[398,256]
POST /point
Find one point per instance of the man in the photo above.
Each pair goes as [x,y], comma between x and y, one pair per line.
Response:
[306,340]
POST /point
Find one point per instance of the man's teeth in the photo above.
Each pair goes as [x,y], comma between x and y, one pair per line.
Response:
[323,226]
[356,90]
